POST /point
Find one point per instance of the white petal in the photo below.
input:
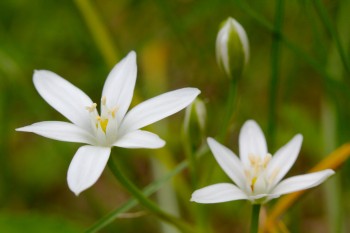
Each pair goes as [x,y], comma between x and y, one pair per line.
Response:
[297,183]
[283,160]
[86,167]
[251,142]
[158,108]
[120,84]
[58,130]
[63,96]
[244,39]
[228,161]
[218,193]
[140,139]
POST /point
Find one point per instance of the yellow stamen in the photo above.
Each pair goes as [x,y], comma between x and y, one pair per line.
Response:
[253,183]
[267,160]
[92,107]
[103,100]
[113,111]
[252,159]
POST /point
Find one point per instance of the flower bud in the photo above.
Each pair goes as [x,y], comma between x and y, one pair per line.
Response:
[195,119]
[232,48]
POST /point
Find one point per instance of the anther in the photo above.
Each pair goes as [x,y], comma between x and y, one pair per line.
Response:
[113,111]
[267,159]
[92,107]
[104,100]
[252,159]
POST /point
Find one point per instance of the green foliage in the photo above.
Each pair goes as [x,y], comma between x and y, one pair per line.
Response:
[36,223]
[300,86]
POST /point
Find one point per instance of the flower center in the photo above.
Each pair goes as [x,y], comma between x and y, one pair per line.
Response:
[256,169]
[107,119]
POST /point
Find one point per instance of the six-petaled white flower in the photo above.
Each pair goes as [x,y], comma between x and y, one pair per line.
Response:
[257,174]
[113,126]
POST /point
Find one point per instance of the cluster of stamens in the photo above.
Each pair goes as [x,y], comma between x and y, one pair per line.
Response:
[107,115]
[256,168]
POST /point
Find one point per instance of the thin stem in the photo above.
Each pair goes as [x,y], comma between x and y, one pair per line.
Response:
[152,207]
[187,146]
[200,214]
[332,31]
[149,190]
[290,45]
[230,105]
[254,225]
[275,68]
[98,30]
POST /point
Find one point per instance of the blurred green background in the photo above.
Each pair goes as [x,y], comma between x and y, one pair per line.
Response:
[297,81]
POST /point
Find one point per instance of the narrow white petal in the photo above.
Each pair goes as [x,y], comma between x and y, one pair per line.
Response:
[120,84]
[284,159]
[251,141]
[228,161]
[63,96]
[244,39]
[157,108]
[218,193]
[140,139]
[59,130]
[86,167]
[297,183]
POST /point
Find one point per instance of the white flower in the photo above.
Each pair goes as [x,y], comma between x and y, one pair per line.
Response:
[232,48]
[257,174]
[114,126]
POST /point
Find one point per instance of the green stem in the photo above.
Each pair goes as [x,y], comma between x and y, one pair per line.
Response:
[98,30]
[290,45]
[230,105]
[149,190]
[182,226]
[187,146]
[333,33]
[200,213]
[275,58]
[254,225]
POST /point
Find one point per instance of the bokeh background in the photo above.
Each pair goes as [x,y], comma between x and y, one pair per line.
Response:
[297,81]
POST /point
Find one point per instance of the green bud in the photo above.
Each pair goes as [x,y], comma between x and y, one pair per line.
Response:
[195,119]
[232,48]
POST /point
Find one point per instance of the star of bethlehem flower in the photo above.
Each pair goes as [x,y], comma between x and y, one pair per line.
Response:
[257,175]
[112,126]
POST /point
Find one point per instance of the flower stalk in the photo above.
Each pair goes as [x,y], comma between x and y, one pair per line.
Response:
[232,55]
[254,225]
[148,204]
[230,106]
